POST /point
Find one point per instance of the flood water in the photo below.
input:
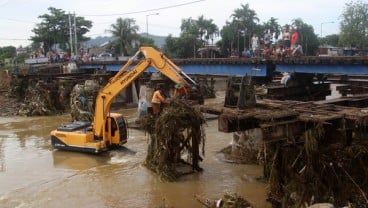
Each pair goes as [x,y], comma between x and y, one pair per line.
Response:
[32,174]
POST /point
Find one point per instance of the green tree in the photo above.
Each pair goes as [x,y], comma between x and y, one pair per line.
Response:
[307,38]
[228,34]
[7,52]
[170,48]
[144,41]
[190,31]
[206,29]
[125,32]
[194,34]
[212,31]
[332,40]
[354,26]
[54,29]
[181,47]
[272,25]
[246,20]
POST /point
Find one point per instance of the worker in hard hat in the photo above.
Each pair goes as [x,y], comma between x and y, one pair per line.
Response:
[156,101]
[180,91]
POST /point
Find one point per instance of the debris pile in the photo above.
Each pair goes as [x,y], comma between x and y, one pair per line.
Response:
[39,99]
[82,100]
[244,148]
[8,105]
[228,201]
[208,91]
[18,87]
[315,169]
[175,132]
[65,88]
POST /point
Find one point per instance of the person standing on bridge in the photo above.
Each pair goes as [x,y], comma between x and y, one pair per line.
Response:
[255,44]
[294,39]
[156,101]
[286,37]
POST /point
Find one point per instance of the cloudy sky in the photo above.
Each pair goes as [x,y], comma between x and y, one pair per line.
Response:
[19,17]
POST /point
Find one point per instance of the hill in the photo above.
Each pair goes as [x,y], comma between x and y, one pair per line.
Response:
[100,41]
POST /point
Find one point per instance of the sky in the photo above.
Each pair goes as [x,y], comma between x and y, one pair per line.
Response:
[19,17]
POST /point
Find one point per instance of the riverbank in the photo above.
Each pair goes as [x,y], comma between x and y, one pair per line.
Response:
[8,106]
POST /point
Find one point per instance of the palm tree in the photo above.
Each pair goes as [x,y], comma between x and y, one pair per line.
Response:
[207,29]
[246,19]
[202,25]
[189,27]
[274,26]
[212,31]
[126,32]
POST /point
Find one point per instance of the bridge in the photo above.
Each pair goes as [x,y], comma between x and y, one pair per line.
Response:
[340,65]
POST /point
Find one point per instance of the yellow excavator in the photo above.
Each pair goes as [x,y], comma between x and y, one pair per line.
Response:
[109,130]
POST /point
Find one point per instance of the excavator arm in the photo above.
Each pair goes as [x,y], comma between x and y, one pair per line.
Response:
[125,77]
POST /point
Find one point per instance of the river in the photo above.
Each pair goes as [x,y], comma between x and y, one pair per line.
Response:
[32,174]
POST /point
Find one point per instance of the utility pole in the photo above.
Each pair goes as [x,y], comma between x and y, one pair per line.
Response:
[147,22]
[323,24]
[70,35]
[75,36]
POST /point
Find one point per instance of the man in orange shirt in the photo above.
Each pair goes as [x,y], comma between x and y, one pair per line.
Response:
[180,91]
[156,101]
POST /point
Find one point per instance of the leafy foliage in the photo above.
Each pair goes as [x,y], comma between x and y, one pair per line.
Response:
[354,26]
[194,34]
[307,38]
[54,29]
[7,52]
[332,40]
[125,31]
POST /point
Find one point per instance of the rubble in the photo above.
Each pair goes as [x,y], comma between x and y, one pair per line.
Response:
[176,132]
[227,201]
[82,100]
[38,100]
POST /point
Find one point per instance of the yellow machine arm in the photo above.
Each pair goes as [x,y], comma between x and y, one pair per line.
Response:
[124,78]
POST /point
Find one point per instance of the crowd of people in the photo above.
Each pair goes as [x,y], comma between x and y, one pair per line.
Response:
[268,47]
[61,56]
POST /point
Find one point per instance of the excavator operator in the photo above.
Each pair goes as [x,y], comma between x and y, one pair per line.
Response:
[157,99]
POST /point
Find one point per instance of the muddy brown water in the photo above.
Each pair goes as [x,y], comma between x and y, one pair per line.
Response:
[32,174]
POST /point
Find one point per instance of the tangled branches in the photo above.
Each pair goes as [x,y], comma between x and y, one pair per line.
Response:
[176,132]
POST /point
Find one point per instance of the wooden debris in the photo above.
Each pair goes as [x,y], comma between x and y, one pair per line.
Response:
[175,132]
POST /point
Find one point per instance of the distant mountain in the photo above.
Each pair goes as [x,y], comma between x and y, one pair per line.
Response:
[97,42]
[100,41]
[158,40]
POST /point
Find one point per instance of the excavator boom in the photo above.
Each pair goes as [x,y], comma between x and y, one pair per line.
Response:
[110,128]
[124,78]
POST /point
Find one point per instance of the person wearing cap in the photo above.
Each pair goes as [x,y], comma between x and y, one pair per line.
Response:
[180,91]
[156,101]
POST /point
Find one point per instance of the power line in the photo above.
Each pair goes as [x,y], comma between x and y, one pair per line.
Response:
[12,39]
[23,21]
[144,11]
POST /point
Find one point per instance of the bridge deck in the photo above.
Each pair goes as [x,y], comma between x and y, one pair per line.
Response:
[351,65]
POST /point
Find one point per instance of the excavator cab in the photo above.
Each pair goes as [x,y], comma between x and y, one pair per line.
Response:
[116,130]
[78,136]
